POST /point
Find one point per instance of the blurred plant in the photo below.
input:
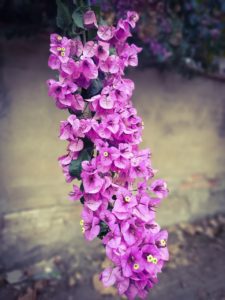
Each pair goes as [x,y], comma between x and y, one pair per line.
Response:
[103,132]
[179,33]
[173,33]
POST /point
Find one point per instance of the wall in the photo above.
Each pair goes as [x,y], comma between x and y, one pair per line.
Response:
[184,127]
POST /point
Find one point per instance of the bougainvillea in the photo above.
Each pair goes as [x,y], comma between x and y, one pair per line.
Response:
[103,131]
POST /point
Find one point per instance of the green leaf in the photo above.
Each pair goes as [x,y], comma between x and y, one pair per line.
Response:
[82,200]
[94,89]
[112,51]
[63,18]
[104,229]
[78,19]
[75,167]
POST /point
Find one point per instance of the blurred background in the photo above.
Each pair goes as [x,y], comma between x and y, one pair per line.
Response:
[180,93]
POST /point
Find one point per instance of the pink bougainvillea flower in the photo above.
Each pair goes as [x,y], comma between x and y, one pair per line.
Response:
[76,194]
[106,102]
[76,145]
[109,276]
[54,62]
[102,50]
[105,32]
[106,157]
[161,242]
[132,233]
[132,262]
[124,204]
[60,47]
[92,201]
[110,65]
[151,258]
[111,122]
[92,182]
[122,31]
[89,69]
[78,102]
[90,19]
[90,225]
[71,68]
[132,18]
[103,133]
[159,187]
[89,49]
[76,47]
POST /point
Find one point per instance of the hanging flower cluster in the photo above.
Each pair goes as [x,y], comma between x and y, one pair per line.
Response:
[103,133]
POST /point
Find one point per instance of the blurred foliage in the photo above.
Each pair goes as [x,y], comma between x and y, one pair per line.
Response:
[176,33]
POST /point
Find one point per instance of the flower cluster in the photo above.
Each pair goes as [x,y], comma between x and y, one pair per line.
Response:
[103,132]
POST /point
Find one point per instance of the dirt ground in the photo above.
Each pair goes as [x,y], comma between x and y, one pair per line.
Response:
[195,271]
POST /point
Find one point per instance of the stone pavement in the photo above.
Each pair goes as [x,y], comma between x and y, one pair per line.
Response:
[184,127]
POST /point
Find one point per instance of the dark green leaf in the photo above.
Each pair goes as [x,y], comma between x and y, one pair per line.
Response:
[94,89]
[78,113]
[78,19]
[63,18]
[75,167]
[104,229]
[112,51]
[82,200]
[92,34]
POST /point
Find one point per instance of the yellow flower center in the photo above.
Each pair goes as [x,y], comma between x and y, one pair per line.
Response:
[63,53]
[83,229]
[136,266]
[127,199]
[163,243]
[152,259]
[63,49]
[155,260]
[81,222]
[59,48]
[106,154]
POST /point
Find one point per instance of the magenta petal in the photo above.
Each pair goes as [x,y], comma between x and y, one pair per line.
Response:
[90,19]
[89,49]
[93,204]
[92,183]
[108,277]
[92,233]
[89,69]
[105,32]
[76,145]
[53,62]
[123,285]
[106,102]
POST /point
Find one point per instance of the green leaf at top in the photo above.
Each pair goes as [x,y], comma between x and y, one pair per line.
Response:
[75,167]
[78,19]
[63,18]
